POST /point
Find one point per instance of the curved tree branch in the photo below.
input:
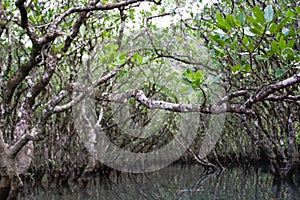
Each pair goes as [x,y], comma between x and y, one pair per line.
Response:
[91,7]
[140,96]
[266,91]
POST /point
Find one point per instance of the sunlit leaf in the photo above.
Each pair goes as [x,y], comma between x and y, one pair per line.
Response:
[298,10]
[230,20]
[219,32]
[235,69]
[220,19]
[274,46]
[273,28]
[285,31]
[221,22]
[241,17]
[219,49]
[119,62]
[247,68]
[253,22]
[268,13]
[248,32]
[290,43]
[289,13]
[282,43]
[256,31]
[259,16]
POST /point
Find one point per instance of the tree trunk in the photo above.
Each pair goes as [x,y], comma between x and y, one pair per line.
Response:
[293,152]
[11,165]
[4,187]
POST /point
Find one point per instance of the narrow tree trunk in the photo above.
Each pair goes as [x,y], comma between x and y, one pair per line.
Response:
[15,187]
[292,150]
[4,187]
[4,179]
[297,173]
[9,187]
[11,165]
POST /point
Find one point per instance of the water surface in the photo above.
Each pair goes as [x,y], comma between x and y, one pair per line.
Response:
[175,182]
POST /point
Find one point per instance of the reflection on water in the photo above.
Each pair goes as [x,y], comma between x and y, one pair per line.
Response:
[175,182]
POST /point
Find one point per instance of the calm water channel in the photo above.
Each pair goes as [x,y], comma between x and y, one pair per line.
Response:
[175,182]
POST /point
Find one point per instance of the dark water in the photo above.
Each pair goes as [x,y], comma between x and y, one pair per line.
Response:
[175,182]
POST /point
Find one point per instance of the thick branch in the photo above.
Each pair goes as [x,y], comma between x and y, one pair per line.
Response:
[33,136]
[50,105]
[266,91]
[25,23]
[108,76]
[24,19]
[38,43]
[3,150]
[17,77]
[76,26]
[233,95]
[70,104]
[51,64]
[53,107]
[108,6]
[273,97]
[121,32]
[140,96]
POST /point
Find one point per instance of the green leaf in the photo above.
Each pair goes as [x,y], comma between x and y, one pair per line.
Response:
[256,31]
[223,27]
[220,19]
[222,51]
[259,16]
[253,22]
[292,32]
[247,68]
[199,74]
[283,22]
[290,43]
[230,20]
[268,13]
[122,56]
[282,43]
[187,76]
[235,69]
[233,44]
[278,72]
[32,19]
[119,62]
[241,17]
[136,57]
[298,10]
[288,53]
[245,39]
[274,46]
[111,57]
[273,28]
[221,22]
[289,14]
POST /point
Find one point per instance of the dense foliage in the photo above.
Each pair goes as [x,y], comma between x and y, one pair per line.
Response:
[156,60]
